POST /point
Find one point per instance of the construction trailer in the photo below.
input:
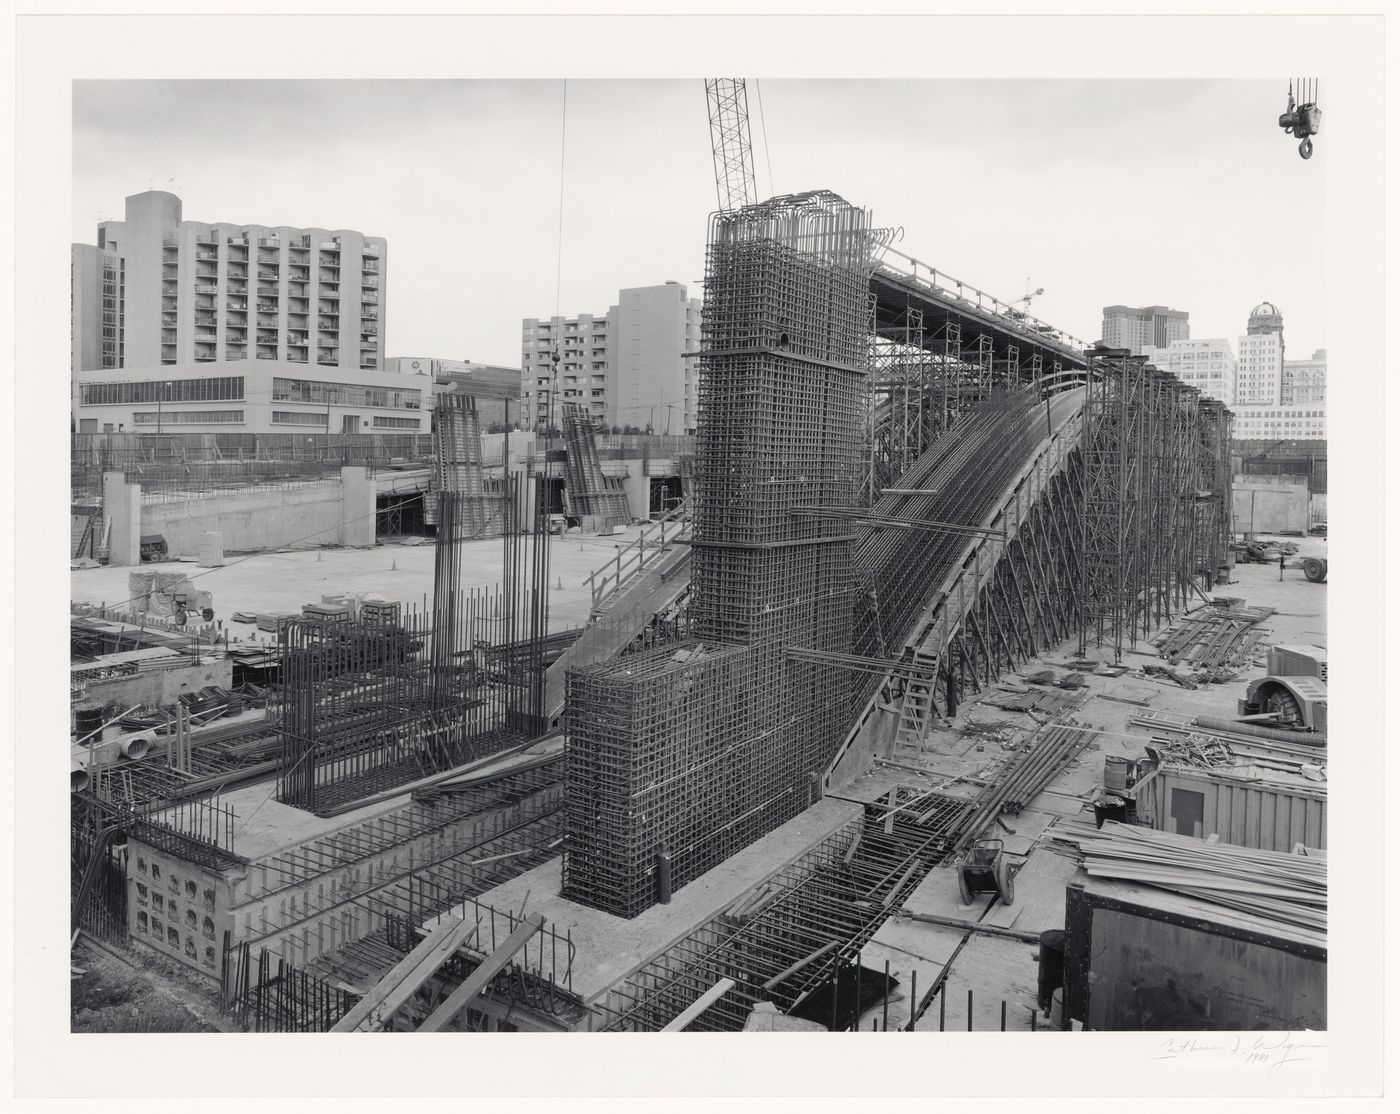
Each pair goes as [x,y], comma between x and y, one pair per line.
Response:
[1253,803]
[1142,958]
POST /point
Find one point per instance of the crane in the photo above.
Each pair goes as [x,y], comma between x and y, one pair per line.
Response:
[730,143]
[1025,301]
[1303,118]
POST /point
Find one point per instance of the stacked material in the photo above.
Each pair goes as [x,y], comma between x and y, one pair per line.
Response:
[1216,642]
[1277,889]
[1054,748]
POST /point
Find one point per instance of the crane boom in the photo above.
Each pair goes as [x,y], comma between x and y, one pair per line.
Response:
[730,142]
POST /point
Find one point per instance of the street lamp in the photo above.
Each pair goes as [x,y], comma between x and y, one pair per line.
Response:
[160,395]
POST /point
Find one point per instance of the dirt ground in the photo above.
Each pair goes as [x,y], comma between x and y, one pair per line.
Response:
[112,996]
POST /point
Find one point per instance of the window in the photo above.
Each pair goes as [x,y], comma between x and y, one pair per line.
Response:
[395,423]
[186,417]
[216,389]
[346,394]
[297,417]
[140,922]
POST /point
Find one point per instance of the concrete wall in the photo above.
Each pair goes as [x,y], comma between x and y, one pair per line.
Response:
[160,907]
[158,686]
[303,516]
[1264,508]
[121,504]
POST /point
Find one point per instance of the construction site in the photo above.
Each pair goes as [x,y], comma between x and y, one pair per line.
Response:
[930,686]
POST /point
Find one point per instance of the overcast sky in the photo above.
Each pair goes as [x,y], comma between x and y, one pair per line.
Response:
[1183,193]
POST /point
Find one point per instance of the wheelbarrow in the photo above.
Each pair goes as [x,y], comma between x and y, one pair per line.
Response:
[984,869]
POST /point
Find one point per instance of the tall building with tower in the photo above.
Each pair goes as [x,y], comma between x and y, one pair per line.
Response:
[1141,327]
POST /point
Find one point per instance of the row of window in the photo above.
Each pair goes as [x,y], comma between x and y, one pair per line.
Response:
[186,417]
[297,417]
[396,423]
[227,388]
[346,394]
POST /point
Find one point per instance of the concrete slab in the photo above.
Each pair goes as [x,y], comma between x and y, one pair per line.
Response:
[283,581]
[608,948]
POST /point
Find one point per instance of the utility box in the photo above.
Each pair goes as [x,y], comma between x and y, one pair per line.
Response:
[1139,958]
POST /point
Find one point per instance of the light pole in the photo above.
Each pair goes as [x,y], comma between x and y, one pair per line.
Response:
[160,395]
[330,396]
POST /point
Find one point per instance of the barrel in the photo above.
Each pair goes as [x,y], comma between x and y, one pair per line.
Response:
[1050,974]
[86,721]
[1115,774]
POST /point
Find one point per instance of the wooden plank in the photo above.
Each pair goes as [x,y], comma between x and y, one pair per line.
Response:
[479,979]
[699,1006]
[428,948]
[801,963]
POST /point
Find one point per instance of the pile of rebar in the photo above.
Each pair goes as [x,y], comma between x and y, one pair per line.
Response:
[1054,748]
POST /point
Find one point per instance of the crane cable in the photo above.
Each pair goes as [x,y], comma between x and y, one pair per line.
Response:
[763,123]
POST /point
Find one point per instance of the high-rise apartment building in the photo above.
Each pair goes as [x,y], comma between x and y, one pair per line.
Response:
[1207,365]
[168,312]
[1141,327]
[626,367]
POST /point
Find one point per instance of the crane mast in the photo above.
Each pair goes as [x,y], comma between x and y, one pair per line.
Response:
[730,142]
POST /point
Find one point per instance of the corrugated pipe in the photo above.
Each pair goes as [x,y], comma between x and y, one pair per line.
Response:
[136,746]
[1300,738]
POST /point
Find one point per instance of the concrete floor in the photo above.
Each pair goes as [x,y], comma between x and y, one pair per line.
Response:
[283,581]
[1001,969]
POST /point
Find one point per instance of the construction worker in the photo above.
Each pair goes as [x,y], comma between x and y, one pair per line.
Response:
[1282,560]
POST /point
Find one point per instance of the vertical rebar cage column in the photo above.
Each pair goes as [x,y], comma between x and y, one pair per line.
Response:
[651,764]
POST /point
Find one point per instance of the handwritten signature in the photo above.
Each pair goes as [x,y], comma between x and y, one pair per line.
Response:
[1270,1051]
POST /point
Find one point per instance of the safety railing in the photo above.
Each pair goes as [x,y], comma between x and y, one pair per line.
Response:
[643,551]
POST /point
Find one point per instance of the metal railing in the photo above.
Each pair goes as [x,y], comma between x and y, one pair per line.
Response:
[642,552]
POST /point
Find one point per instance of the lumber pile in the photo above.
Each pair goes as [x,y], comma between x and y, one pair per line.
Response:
[1274,889]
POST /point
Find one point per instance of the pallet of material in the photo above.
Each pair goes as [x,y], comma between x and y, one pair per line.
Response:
[274,621]
[326,613]
[1271,887]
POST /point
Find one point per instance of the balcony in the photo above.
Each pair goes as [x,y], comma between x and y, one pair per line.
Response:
[206,255]
[267,338]
[330,245]
[265,353]
[169,322]
[201,319]
[238,241]
[207,238]
[369,299]
[237,305]
[371,247]
[368,346]
[371,266]
[269,276]
[205,338]
[206,288]
[267,307]
[369,284]
[170,245]
[269,242]
[328,311]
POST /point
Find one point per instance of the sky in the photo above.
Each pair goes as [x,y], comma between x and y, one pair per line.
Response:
[1181,193]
